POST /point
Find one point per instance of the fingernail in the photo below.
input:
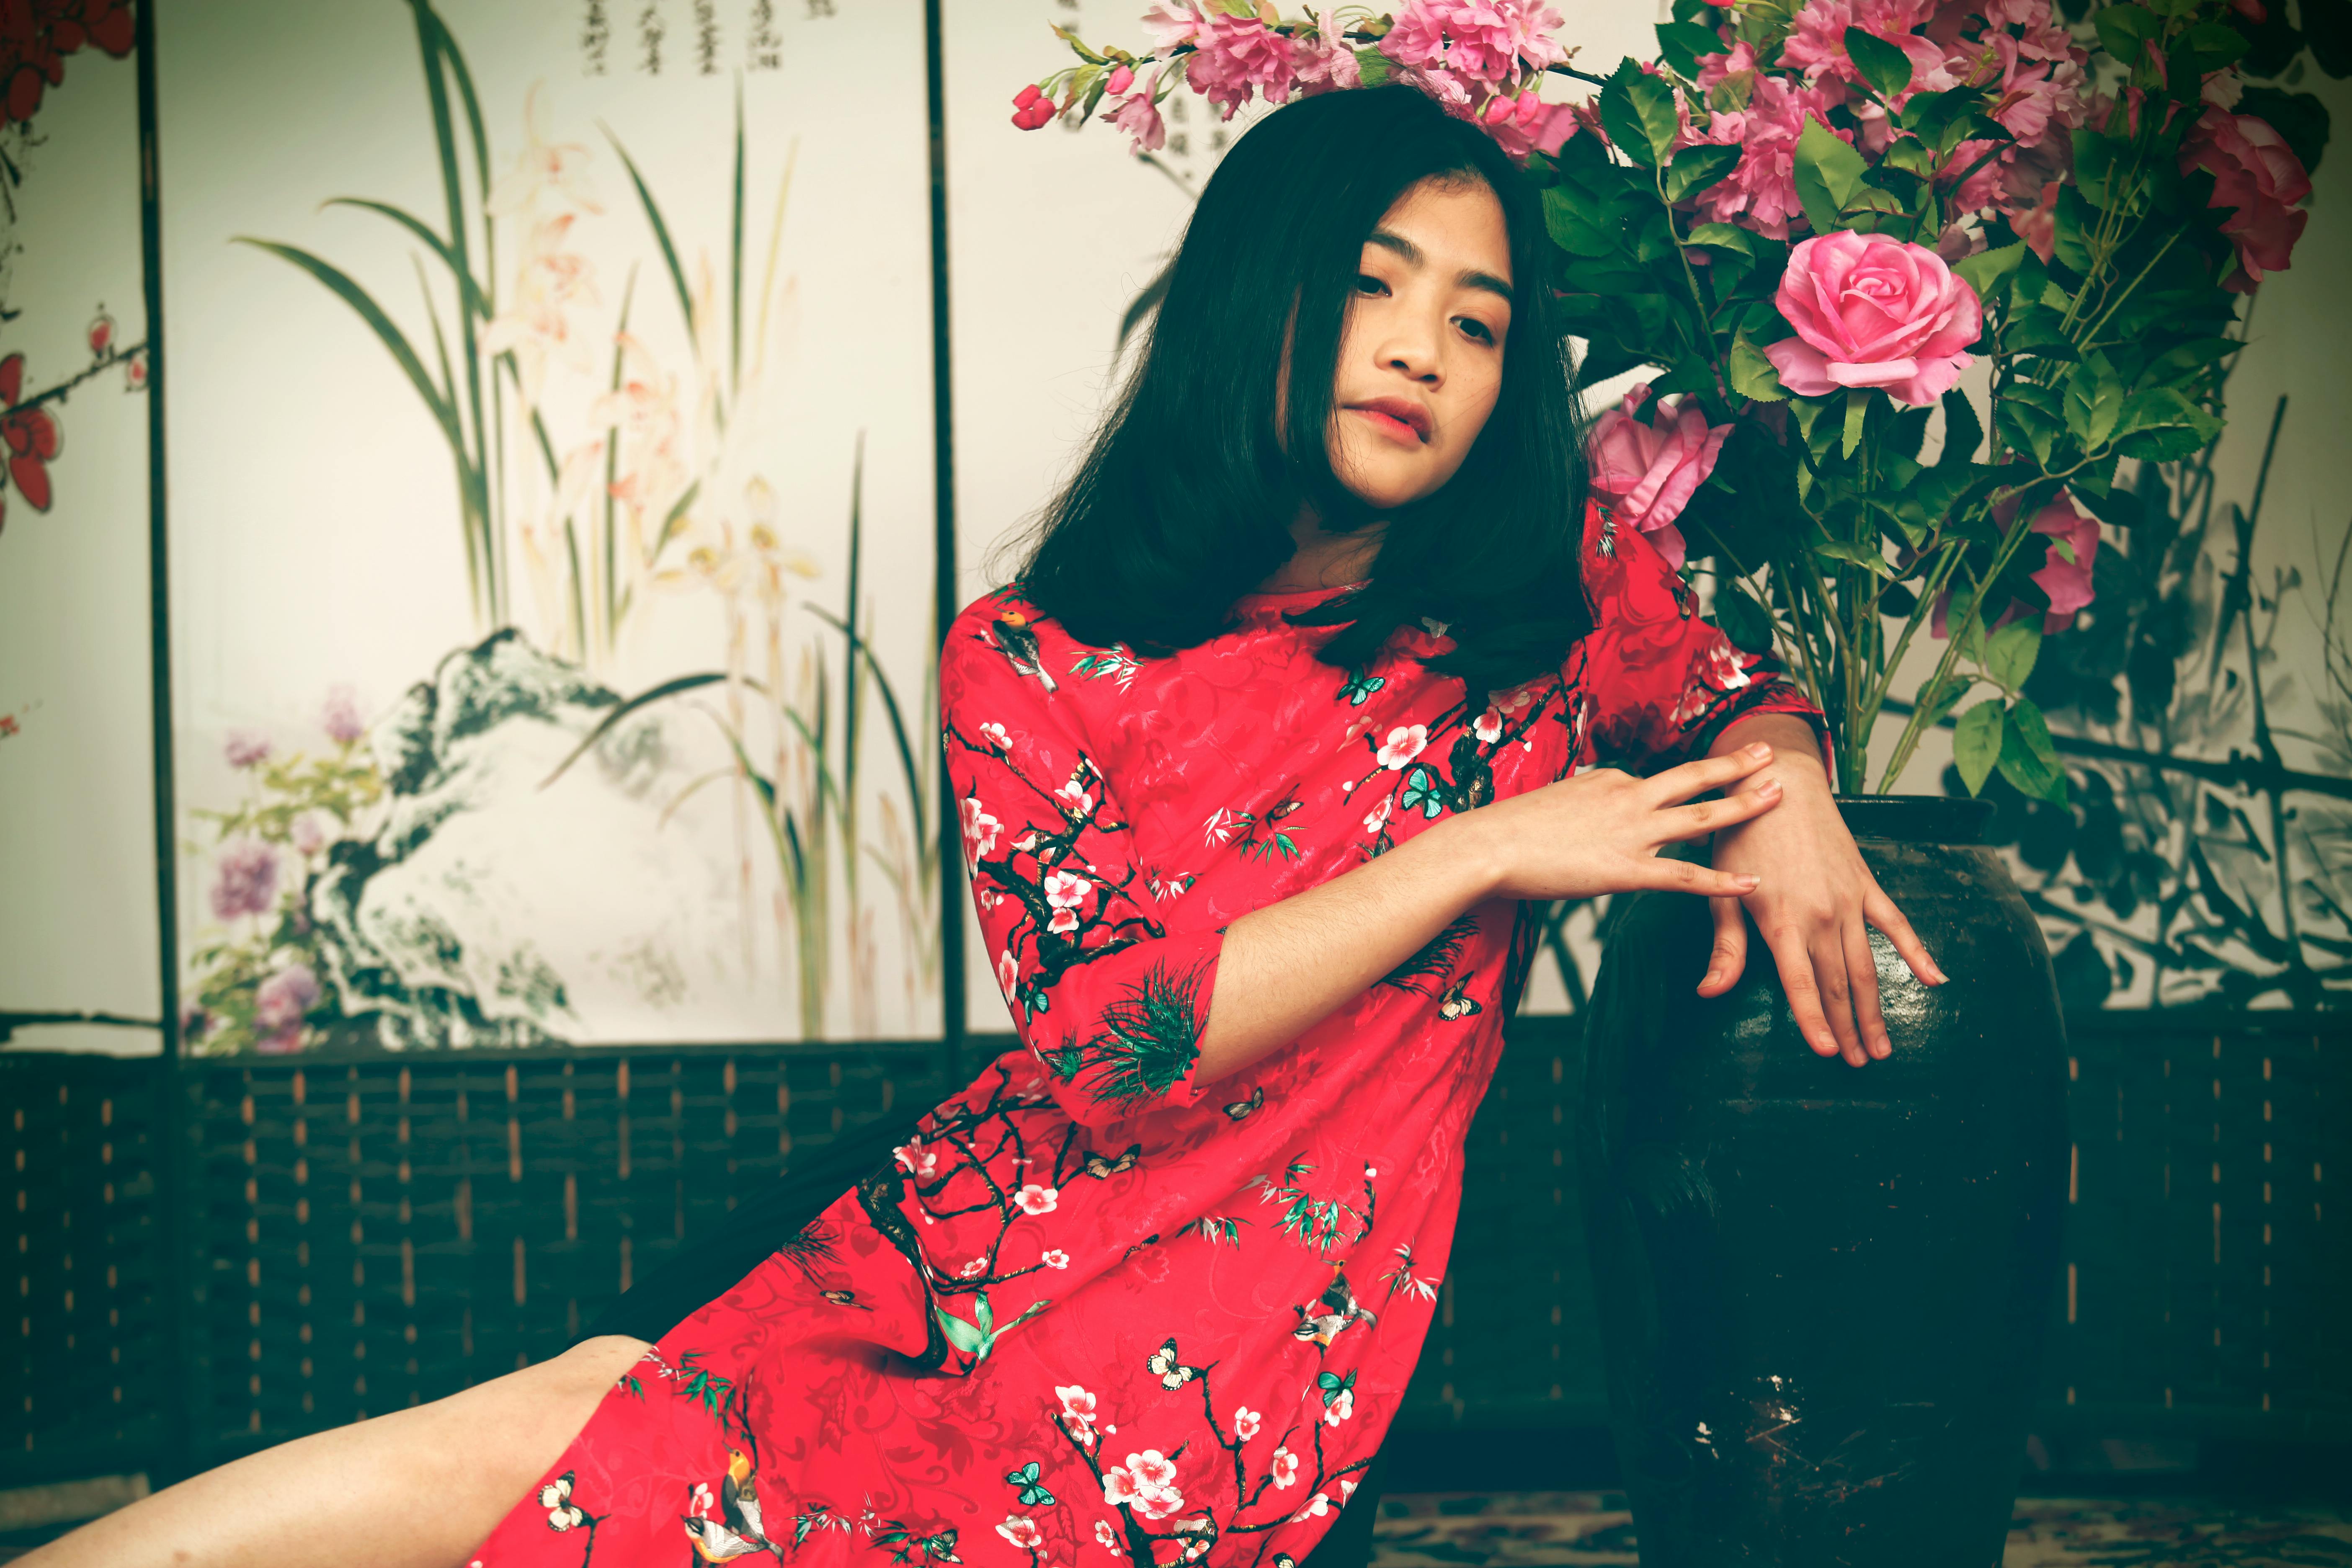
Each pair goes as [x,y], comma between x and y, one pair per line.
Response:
[1760,750]
[1747,879]
[1770,786]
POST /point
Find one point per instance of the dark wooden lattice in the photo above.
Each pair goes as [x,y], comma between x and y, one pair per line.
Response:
[88,1364]
[2208,1266]
[379,1231]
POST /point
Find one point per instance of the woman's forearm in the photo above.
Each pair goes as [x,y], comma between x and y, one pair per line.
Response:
[1289,965]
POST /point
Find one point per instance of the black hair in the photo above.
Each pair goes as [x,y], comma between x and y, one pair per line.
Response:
[1183,502]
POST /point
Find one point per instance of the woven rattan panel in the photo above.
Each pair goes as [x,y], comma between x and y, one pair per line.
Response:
[381,1233]
[2209,1258]
[87,1365]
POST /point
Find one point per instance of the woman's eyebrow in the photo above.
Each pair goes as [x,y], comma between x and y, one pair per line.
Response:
[1410,253]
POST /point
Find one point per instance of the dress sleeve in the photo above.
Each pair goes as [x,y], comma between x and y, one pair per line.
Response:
[1107,999]
[1662,682]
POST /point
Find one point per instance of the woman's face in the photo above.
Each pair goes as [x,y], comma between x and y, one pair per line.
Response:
[1421,355]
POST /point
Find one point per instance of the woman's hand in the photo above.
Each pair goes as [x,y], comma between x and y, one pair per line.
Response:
[1601,832]
[1815,896]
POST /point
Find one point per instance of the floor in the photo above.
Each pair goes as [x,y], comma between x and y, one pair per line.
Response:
[1540,1530]
[1570,1530]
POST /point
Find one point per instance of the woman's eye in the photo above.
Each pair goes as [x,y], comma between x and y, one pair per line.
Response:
[1368,284]
[1477,329]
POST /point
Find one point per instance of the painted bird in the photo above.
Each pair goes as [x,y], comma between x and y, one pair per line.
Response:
[714,1542]
[739,1502]
[1010,635]
[1337,1309]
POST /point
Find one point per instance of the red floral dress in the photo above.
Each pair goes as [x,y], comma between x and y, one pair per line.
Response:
[1097,1310]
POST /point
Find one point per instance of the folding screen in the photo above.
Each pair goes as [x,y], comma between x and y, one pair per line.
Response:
[79,968]
[549,461]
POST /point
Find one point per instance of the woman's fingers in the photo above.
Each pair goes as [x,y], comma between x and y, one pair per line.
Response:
[1880,911]
[1730,956]
[1680,823]
[1861,975]
[1682,877]
[1708,772]
[1797,983]
[1828,958]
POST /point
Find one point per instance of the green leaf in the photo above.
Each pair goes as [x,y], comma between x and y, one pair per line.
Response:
[1987,270]
[2028,758]
[2010,653]
[2076,220]
[1578,224]
[2217,45]
[2031,417]
[1886,69]
[1637,110]
[341,285]
[1695,168]
[1948,696]
[1828,172]
[1373,68]
[661,234]
[2095,400]
[1862,555]
[432,241]
[1680,45]
[961,1334]
[1722,235]
[981,1313]
[2185,360]
[1963,432]
[1857,414]
[1743,620]
[1751,373]
[2125,30]
[2161,426]
[2036,330]
[1976,743]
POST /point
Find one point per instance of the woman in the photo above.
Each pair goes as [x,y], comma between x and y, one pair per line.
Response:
[1262,766]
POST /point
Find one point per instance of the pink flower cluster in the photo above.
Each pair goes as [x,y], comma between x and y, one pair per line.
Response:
[1482,59]
[1147,1483]
[2015,48]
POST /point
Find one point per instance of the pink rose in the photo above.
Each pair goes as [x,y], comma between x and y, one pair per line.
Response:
[1873,311]
[1649,472]
[2067,582]
[2255,171]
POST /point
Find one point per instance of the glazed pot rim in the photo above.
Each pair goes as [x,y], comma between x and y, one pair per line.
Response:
[1916,818]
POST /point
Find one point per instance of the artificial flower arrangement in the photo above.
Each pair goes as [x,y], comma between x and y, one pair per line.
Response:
[1814,217]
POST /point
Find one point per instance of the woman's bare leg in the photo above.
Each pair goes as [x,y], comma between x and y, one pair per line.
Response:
[416,1489]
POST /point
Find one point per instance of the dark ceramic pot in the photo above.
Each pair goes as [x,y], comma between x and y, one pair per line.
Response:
[1823,1289]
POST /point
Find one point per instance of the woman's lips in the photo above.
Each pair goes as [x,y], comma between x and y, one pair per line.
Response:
[1388,424]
